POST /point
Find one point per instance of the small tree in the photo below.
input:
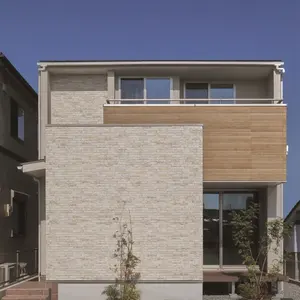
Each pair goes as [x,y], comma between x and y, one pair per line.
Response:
[255,281]
[126,277]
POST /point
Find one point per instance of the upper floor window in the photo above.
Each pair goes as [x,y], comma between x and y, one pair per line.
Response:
[221,93]
[194,90]
[145,90]
[16,120]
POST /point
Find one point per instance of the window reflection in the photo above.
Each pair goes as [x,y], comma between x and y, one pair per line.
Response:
[158,88]
[222,91]
[213,242]
[232,202]
[132,88]
[196,90]
[211,229]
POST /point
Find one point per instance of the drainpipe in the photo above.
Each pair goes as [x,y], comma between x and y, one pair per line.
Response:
[39,228]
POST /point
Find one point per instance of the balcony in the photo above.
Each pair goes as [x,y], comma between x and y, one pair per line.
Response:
[242,142]
[222,101]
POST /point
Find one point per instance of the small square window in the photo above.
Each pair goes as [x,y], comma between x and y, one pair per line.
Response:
[16,121]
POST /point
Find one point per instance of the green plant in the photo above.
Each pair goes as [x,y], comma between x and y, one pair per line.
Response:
[254,284]
[124,287]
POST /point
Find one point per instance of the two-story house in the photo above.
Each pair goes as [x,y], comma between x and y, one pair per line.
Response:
[18,192]
[181,143]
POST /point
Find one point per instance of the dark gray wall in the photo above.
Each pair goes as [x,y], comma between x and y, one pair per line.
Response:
[12,153]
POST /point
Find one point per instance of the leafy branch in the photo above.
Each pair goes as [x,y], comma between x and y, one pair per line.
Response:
[254,284]
[124,287]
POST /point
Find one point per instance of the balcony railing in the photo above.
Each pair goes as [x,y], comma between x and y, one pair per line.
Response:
[18,266]
[261,101]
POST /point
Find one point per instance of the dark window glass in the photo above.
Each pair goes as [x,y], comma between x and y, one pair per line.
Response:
[222,91]
[216,288]
[132,88]
[16,120]
[233,202]
[196,91]
[158,88]
[211,229]
[19,214]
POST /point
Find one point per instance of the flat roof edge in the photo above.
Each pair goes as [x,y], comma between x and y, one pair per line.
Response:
[156,62]
[18,76]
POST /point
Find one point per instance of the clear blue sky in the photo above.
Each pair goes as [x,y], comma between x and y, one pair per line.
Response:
[35,30]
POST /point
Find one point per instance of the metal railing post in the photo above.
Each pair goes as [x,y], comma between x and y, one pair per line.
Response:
[35,260]
[17,264]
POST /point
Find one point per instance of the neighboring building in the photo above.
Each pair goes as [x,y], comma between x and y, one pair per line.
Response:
[292,243]
[18,192]
[183,143]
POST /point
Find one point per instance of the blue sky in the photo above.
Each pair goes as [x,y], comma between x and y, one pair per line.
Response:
[216,29]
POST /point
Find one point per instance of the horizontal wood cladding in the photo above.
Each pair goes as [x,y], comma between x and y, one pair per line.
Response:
[241,143]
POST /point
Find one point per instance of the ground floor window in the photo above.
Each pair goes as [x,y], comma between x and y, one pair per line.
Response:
[218,245]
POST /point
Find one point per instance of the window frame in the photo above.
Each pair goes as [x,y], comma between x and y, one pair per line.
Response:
[209,92]
[15,118]
[221,252]
[144,99]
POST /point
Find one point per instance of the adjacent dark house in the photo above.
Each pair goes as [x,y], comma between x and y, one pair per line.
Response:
[18,191]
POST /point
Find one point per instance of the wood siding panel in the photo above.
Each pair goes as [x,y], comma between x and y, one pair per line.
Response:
[241,143]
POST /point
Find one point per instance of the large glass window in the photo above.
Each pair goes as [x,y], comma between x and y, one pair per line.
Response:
[194,90]
[218,246]
[157,88]
[232,202]
[211,229]
[143,89]
[132,88]
[223,92]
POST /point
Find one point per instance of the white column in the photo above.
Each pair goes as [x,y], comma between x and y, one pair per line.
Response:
[275,210]
[233,294]
[111,85]
[277,84]
[175,90]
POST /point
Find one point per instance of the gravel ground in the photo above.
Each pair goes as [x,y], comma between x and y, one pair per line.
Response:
[292,290]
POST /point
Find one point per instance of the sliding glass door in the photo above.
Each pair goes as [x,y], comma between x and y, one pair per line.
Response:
[218,244]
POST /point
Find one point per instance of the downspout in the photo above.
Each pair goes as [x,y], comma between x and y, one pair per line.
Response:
[39,113]
[39,227]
